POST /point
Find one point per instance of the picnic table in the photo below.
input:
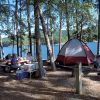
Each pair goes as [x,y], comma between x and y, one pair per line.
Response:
[29,68]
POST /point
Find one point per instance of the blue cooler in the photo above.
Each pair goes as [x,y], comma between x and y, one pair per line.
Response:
[25,74]
[19,74]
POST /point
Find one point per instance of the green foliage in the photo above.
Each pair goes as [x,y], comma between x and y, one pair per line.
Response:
[52,10]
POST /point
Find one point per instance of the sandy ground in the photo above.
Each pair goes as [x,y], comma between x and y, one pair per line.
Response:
[58,85]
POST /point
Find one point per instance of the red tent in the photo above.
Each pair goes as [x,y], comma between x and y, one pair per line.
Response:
[75,51]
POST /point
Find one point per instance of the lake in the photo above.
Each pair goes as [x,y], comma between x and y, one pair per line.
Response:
[7,50]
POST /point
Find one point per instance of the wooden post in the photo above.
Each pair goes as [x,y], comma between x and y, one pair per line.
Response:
[73,72]
[78,74]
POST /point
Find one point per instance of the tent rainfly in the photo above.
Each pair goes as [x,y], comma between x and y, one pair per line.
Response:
[75,51]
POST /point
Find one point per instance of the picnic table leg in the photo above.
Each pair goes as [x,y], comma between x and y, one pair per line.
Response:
[30,75]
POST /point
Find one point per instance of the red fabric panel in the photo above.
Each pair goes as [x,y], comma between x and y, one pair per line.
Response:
[71,60]
[89,54]
[60,58]
[75,60]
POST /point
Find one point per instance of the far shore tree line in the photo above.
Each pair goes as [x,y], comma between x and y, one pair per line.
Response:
[47,22]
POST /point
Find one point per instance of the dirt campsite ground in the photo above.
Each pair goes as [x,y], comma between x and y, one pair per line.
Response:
[58,85]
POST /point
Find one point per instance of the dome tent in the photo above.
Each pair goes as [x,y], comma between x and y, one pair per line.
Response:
[75,51]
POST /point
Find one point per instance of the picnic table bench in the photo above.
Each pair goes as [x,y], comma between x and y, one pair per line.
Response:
[6,68]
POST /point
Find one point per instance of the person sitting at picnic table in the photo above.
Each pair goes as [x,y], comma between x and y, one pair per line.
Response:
[97,62]
[8,59]
[29,57]
[15,62]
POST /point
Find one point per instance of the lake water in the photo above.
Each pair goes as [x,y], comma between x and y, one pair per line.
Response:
[7,50]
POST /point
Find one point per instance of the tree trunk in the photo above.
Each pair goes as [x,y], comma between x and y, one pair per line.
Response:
[16,19]
[29,27]
[0,47]
[47,40]
[60,31]
[52,40]
[67,20]
[37,34]
[52,43]
[48,57]
[98,47]
[13,40]
[77,28]
[21,31]
[81,25]
[13,46]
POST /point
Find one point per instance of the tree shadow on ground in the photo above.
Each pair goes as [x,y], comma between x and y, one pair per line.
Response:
[41,93]
[94,77]
[54,86]
[7,77]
